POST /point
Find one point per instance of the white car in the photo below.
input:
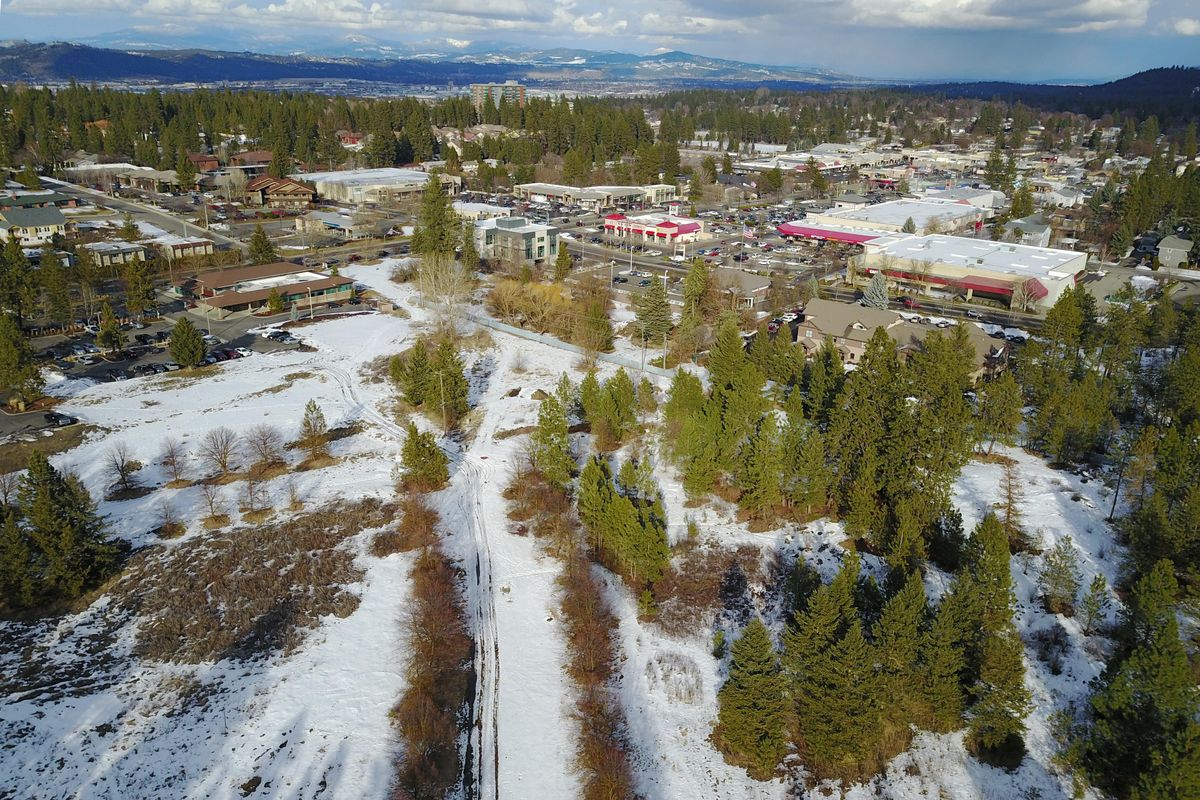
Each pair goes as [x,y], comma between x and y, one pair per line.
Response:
[654,252]
[266,334]
[244,352]
[561,235]
[679,258]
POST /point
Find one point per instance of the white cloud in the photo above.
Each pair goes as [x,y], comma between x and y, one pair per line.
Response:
[1187,27]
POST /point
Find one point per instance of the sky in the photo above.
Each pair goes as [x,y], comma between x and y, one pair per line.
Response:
[977,39]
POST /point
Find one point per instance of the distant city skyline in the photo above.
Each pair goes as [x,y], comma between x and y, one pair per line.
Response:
[1027,40]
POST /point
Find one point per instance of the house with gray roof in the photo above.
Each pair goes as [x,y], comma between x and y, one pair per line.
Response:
[1173,252]
[32,227]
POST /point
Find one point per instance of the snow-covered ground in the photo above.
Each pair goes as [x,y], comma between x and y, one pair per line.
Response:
[315,723]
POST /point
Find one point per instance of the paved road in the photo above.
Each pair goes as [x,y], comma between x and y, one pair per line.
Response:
[169,222]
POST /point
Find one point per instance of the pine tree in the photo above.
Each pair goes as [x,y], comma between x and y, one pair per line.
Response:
[19,373]
[439,228]
[751,704]
[897,645]
[1059,581]
[412,373]
[864,516]
[110,336]
[423,461]
[139,287]
[1095,605]
[185,172]
[551,444]
[274,301]
[762,467]
[187,346]
[562,262]
[808,474]
[909,226]
[1141,735]
[72,550]
[1001,700]
[17,565]
[875,295]
[55,286]
[653,312]
[999,410]
[727,356]
[129,230]
[942,663]
[446,396]
[470,253]
[262,249]
[696,285]
[590,392]
[314,431]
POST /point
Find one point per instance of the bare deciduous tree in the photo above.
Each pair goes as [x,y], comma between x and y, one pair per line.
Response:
[8,488]
[219,450]
[168,519]
[265,444]
[213,499]
[120,467]
[443,282]
[255,497]
[173,458]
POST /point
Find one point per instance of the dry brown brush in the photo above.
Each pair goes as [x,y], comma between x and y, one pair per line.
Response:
[438,669]
[249,593]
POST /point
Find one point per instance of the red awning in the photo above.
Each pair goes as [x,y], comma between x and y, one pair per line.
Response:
[811,232]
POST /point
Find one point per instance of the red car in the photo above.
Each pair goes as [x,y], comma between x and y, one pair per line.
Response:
[910,302]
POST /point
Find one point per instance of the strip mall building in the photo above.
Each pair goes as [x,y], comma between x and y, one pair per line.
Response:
[661,228]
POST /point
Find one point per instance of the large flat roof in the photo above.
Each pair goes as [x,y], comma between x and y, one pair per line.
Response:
[365,177]
[897,212]
[981,254]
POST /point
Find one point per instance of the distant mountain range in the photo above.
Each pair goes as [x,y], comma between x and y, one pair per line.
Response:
[359,58]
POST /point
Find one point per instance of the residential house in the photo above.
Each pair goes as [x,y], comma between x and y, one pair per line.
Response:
[1173,252]
[204,162]
[343,226]
[111,254]
[1033,230]
[174,247]
[36,200]
[33,227]
[279,192]
[742,289]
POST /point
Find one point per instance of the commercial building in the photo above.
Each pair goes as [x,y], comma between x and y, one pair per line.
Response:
[372,185]
[111,254]
[928,216]
[332,223]
[515,240]
[829,158]
[174,247]
[1020,275]
[477,211]
[32,227]
[246,289]
[662,228]
[597,198]
[278,192]
[510,91]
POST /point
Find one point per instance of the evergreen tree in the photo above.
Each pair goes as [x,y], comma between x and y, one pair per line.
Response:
[942,662]
[185,172]
[129,230]
[446,396]
[551,444]
[751,704]
[55,287]
[875,295]
[470,254]
[274,301]
[1140,738]
[562,262]
[1059,581]
[186,346]
[897,645]
[262,249]
[110,336]
[281,164]
[1095,605]
[1001,700]
[594,331]
[423,461]
[653,312]
[413,374]
[1022,202]
[589,396]
[139,287]
[439,227]
[909,226]
[314,431]
[998,414]
[727,356]
[19,373]
[808,477]
[696,285]
[70,548]
[18,585]
[762,467]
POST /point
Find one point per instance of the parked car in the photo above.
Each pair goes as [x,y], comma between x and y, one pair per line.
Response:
[974,315]
[245,352]
[644,282]
[59,420]
[910,302]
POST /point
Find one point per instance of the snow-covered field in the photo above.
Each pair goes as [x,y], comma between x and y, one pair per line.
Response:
[315,723]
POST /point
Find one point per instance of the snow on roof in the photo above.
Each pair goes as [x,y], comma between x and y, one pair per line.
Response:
[981,254]
[897,212]
[365,177]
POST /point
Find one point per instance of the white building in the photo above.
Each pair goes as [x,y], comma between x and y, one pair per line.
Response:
[515,240]
[929,216]
[372,185]
[478,211]
[1037,276]
[597,198]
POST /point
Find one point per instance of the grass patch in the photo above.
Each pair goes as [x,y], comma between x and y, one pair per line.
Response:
[215,522]
[14,455]
[316,462]
[298,376]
